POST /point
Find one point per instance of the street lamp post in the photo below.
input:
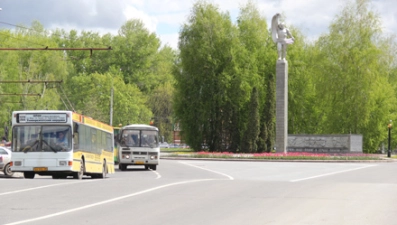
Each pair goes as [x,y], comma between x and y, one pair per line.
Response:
[388,149]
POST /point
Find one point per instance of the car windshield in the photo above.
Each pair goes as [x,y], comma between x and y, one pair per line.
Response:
[3,151]
[41,138]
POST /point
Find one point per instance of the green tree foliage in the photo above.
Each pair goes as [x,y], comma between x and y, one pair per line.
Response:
[257,62]
[267,135]
[220,64]
[353,89]
[251,134]
[135,50]
[87,78]
[29,66]
[203,78]
[136,56]
[130,105]
[160,102]
[303,115]
[160,99]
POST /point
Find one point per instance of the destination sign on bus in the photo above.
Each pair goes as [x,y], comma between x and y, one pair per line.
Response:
[43,118]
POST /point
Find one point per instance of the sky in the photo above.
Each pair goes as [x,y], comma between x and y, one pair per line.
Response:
[165,17]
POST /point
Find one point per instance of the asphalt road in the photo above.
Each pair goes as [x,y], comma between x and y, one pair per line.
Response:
[183,192]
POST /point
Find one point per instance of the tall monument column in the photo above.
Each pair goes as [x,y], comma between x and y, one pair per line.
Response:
[281,106]
[282,37]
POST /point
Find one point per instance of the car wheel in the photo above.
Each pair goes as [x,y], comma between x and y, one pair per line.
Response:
[7,170]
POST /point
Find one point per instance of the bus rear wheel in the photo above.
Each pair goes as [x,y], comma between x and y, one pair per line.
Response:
[104,171]
[28,175]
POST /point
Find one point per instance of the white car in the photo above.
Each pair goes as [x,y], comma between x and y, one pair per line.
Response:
[164,145]
[5,159]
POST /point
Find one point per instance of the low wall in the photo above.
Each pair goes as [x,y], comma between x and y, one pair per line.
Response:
[338,143]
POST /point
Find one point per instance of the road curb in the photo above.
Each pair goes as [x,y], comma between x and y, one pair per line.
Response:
[281,160]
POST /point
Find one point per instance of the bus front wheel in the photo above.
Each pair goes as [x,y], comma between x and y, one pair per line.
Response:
[79,175]
[28,175]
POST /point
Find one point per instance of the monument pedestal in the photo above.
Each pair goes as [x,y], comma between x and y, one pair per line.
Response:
[281,106]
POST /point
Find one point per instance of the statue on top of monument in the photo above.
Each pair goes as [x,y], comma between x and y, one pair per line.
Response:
[281,36]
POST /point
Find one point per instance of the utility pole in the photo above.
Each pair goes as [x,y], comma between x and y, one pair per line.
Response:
[111,106]
[388,149]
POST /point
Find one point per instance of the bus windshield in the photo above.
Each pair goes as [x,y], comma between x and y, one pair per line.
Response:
[41,138]
[139,138]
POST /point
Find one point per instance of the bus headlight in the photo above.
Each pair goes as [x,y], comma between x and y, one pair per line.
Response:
[153,157]
[63,163]
[125,156]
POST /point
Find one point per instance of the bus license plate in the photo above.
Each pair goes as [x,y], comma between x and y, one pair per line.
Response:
[139,162]
[40,169]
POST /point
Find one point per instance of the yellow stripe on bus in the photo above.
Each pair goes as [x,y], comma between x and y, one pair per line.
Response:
[89,121]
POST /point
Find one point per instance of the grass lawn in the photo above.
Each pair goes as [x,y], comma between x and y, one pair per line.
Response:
[176,150]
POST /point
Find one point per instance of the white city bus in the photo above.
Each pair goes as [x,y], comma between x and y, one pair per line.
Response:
[138,144]
[86,149]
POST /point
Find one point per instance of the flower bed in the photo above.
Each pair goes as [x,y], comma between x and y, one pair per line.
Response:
[280,156]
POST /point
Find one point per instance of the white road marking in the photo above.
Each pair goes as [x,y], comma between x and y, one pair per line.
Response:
[223,174]
[105,202]
[327,174]
[158,175]
[46,186]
